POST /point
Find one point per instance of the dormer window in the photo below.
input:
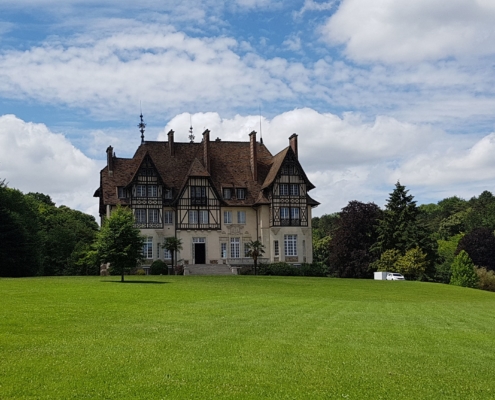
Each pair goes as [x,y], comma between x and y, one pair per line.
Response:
[141,190]
[198,195]
[152,191]
[227,193]
[168,194]
[241,194]
[121,192]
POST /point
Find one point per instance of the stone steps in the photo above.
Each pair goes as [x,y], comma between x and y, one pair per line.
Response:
[209,269]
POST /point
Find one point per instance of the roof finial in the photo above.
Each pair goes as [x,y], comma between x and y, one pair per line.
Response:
[261,133]
[141,127]
[191,136]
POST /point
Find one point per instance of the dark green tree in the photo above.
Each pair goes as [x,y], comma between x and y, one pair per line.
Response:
[119,242]
[480,245]
[355,233]
[255,250]
[174,245]
[400,227]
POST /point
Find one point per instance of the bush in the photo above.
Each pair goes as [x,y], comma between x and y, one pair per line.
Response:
[158,267]
[315,269]
[487,279]
[285,269]
[463,271]
[140,271]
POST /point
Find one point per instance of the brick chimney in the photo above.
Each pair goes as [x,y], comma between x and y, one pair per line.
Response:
[206,146]
[170,135]
[253,155]
[293,143]
[110,157]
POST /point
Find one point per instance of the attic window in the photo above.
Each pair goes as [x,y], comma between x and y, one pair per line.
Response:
[121,192]
[227,193]
[240,194]
[289,169]
[168,193]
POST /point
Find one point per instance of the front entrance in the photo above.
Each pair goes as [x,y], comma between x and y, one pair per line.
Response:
[199,253]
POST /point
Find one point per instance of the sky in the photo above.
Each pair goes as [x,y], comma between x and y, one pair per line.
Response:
[378,91]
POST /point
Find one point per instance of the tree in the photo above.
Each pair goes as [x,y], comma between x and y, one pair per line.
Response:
[355,233]
[463,273]
[480,245]
[119,242]
[400,227]
[255,250]
[412,264]
[173,244]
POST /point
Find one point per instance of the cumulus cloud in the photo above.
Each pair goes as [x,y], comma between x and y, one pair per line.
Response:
[34,159]
[410,31]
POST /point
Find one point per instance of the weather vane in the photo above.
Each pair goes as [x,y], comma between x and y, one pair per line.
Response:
[141,127]
[191,136]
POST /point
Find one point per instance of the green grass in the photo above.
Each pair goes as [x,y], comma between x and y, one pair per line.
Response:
[243,337]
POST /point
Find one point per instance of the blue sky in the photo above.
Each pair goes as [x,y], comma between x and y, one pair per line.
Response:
[378,91]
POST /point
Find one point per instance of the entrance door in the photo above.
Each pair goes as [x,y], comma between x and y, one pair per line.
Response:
[199,253]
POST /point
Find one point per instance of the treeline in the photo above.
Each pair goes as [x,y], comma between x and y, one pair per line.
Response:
[422,242]
[37,238]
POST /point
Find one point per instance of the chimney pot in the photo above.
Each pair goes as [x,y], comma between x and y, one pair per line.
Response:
[253,155]
[170,135]
[293,143]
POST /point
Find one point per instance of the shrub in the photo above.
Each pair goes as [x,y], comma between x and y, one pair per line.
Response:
[315,269]
[158,267]
[463,271]
[279,269]
[487,279]
[140,271]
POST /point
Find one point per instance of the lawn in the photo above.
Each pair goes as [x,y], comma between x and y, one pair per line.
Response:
[244,337]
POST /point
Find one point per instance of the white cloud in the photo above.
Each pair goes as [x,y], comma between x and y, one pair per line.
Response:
[411,31]
[33,159]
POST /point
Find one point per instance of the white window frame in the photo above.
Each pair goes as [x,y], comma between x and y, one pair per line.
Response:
[223,250]
[246,249]
[152,191]
[227,193]
[140,190]
[153,216]
[168,217]
[203,217]
[235,247]
[295,213]
[240,193]
[148,248]
[284,213]
[294,189]
[193,217]
[290,245]
[241,217]
[168,193]
[283,189]
[227,217]
[140,215]
[167,254]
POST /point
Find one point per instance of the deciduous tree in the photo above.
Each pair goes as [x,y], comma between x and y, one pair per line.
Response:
[463,273]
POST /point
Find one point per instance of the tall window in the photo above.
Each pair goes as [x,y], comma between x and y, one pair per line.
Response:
[223,250]
[198,195]
[148,248]
[153,216]
[168,217]
[152,191]
[121,192]
[246,250]
[284,213]
[141,190]
[203,216]
[227,217]
[294,214]
[168,194]
[241,217]
[167,254]
[276,249]
[290,245]
[140,215]
[284,189]
[294,189]
[235,247]
[227,193]
[193,217]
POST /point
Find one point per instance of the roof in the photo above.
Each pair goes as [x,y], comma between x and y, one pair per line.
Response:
[230,167]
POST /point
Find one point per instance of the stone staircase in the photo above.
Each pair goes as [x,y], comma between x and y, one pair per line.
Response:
[209,269]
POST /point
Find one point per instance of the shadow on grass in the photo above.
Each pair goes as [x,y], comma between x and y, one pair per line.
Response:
[145,282]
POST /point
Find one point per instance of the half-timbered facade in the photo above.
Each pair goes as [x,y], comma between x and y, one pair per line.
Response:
[216,197]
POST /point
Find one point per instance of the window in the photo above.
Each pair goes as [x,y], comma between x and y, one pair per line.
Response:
[140,215]
[276,250]
[241,217]
[246,250]
[289,170]
[290,245]
[141,190]
[121,192]
[193,217]
[294,213]
[168,194]
[284,189]
[223,250]
[203,216]
[227,194]
[241,194]
[167,254]
[235,247]
[168,217]
[152,191]
[198,195]
[153,216]
[284,212]
[294,189]
[227,217]
[148,248]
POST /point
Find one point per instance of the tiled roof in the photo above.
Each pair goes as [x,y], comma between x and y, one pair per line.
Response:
[230,166]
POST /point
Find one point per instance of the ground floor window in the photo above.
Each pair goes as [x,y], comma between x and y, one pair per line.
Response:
[276,249]
[148,248]
[235,247]
[290,245]
[223,250]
